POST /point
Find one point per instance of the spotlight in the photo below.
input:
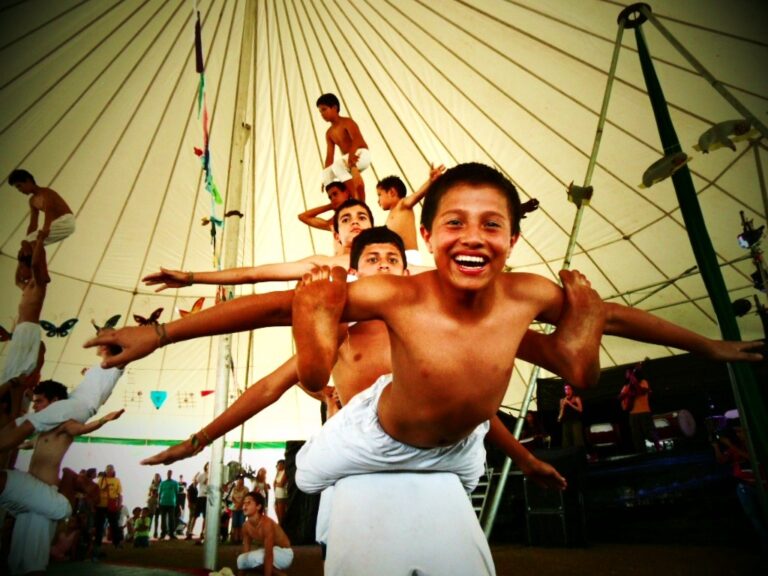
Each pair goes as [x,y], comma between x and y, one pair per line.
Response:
[741,307]
[749,235]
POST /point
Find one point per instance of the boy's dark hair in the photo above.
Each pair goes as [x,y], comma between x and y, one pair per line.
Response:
[472,173]
[329,100]
[348,204]
[393,182]
[375,235]
[336,184]
[19,175]
[52,390]
[259,499]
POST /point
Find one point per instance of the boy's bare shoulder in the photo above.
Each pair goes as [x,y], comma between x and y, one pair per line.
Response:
[527,284]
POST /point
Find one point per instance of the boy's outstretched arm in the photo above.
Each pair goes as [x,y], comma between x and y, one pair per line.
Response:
[317,307]
[75,428]
[538,470]
[247,275]
[244,313]
[639,325]
[256,398]
[434,173]
[573,350]
[311,218]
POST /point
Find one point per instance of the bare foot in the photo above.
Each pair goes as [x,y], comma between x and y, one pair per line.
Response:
[317,307]
[580,328]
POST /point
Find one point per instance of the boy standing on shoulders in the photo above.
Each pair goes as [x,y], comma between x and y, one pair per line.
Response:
[58,223]
[355,156]
[274,552]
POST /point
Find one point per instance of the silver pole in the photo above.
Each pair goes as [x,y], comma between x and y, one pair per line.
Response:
[240,135]
[490,518]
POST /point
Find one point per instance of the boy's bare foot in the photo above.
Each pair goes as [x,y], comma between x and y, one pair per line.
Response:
[317,307]
[580,328]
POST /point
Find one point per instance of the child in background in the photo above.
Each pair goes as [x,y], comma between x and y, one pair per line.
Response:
[141,528]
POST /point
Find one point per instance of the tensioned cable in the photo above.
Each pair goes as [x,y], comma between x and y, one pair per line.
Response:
[116,144]
[657,59]
[77,100]
[33,102]
[32,31]
[608,221]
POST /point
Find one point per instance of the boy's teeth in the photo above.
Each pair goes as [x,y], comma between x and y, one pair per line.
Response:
[470,260]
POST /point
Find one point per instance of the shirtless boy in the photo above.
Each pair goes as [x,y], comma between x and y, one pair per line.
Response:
[337,194]
[350,218]
[38,498]
[58,222]
[274,552]
[454,332]
[392,198]
[355,156]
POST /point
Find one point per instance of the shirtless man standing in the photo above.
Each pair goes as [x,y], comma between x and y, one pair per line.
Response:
[38,498]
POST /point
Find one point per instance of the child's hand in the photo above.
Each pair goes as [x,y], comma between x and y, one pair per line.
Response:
[543,474]
[168,279]
[134,341]
[435,173]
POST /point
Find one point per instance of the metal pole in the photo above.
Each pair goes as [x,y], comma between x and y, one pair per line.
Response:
[490,518]
[240,136]
[716,84]
[754,416]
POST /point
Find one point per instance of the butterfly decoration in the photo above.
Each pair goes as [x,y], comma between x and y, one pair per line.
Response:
[148,321]
[111,323]
[52,330]
[158,397]
[5,335]
[196,307]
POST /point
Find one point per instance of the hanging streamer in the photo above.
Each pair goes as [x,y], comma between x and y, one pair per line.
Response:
[205,153]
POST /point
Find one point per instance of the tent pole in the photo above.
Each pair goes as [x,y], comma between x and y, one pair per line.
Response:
[750,399]
[716,84]
[240,134]
[490,517]
[247,373]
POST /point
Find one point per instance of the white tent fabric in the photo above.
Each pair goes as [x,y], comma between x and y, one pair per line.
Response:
[98,101]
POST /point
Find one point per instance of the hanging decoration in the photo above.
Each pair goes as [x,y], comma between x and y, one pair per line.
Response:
[150,320]
[52,330]
[111,323]
[158,397]
[204,153]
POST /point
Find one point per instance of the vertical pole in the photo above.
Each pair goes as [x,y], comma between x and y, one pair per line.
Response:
[490,516]
[240,136]
[749,399]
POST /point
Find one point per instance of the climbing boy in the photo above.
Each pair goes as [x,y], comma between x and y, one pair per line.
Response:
[355,156]
[58,219]
[392,198]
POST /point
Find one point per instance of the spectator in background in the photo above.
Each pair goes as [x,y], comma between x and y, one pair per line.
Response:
[153,504]
[570,415]
[167,493]
[281,491]
[634,398]
[193,512]
[108,509]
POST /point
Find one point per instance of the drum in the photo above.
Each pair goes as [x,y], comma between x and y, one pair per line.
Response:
[675,424]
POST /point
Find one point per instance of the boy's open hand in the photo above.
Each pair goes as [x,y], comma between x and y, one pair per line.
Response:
[543,474]
[174,453]
[736,351]
[168,279]
[135,342]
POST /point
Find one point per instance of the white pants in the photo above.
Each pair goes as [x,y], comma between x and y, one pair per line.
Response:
[353,442]
[23,350]
[282,558]
[23,493]
[405,523]
[339,170]
[30,543]
[61,228]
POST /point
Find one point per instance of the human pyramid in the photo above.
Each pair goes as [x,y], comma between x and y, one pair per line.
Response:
[420,358]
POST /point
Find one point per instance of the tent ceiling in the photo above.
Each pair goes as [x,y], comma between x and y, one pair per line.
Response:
[98,100]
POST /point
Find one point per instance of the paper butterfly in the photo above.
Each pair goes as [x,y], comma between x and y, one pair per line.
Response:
[5,335]
[52,330]
[148,321]
[111,323]
[196,307]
